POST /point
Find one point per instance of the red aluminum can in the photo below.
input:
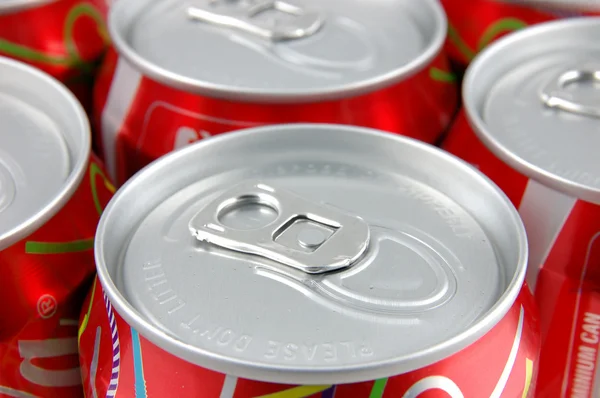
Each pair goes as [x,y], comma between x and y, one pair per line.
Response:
[64,38]
[472,28]
[182,309]
[529,123]
[331,62]
[52,190]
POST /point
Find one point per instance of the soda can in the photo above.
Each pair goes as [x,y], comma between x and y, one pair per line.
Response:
[64,38]
[530,121]
[309,260]
[52,190]
[474,27]
[179,72]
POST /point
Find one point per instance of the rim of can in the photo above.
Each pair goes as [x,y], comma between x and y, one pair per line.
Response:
[79,161]
[191,85]
[12,6]
[480,63]
[286,374]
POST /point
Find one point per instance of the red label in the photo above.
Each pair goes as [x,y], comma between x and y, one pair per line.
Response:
[570,335]
[564,244]
[474,27]
[142,120]
[118,362]
[62,38]
[44,279]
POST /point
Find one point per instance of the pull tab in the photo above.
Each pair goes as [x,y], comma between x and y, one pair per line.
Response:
[305,23]
[555,95]
[294,232]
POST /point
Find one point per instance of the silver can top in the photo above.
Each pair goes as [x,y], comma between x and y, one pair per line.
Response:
[44,148]
[278,50]
[311,254]
[533,98]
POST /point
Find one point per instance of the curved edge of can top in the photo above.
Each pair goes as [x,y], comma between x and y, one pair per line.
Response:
[485,67]
[72,123]
[14,6]
[504,228]
[128,11]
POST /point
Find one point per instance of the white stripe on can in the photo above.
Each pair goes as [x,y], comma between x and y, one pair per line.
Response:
[544,212]
[229,385]
[124,86]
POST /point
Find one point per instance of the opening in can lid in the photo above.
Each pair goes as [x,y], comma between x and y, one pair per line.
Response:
[311,253]
[44,147]
[533,98]
[277,50]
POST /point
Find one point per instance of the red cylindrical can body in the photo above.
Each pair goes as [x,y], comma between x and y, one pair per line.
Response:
[568,277]
[120,356]
[64,38]
[45,278]
[530,131]
[118,362]
[140,117]
[52,191]
[472,28]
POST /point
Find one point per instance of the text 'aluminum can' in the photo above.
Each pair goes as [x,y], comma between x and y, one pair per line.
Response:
[316,258]
[185,70]
[52,191]
[531,123]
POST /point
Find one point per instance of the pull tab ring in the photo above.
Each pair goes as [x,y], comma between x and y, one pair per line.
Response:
[555,95]
[307,236]
[305,23]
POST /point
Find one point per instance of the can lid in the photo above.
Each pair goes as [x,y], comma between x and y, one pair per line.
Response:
[278,49]
[311,254]
[533,98]
[44,147]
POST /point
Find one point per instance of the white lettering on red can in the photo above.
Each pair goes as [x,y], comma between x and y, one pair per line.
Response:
[30,350]
[187,135]
[47,306]
[587,354]
[434,383]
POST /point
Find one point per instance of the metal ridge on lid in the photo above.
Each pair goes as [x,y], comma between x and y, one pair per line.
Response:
[435,265]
